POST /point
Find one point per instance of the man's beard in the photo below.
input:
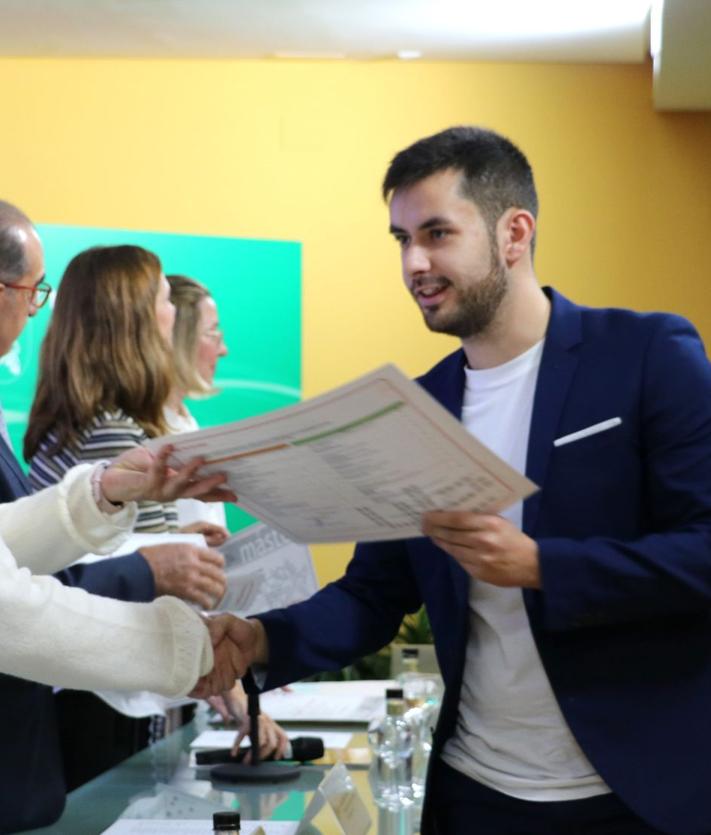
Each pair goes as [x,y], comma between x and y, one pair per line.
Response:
[478,305]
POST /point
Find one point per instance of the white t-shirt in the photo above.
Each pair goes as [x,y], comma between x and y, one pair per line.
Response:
[510,733]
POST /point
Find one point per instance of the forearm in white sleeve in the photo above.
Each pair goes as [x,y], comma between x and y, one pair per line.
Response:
[57,525]
[66,637]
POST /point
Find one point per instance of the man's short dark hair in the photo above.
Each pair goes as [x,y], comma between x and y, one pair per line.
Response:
[496,174]
[13,259]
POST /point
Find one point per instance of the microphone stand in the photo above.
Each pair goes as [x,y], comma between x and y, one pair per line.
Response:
[254,771]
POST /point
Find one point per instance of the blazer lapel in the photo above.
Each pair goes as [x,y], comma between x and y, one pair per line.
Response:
[558,365]
[445,382]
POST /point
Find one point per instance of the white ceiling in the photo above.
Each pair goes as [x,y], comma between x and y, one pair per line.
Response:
[510,30]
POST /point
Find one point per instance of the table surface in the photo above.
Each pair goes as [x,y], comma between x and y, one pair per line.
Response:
[162,774]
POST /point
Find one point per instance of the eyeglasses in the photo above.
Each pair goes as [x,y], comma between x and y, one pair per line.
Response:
[38,294]
[214,335]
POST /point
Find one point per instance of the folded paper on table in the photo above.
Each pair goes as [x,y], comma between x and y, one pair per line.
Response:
[338,791]
[327,701]
[361,462]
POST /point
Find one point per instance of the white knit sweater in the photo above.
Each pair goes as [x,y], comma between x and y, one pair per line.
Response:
[64,636]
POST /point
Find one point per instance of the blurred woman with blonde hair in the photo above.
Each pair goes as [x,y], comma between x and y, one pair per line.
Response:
[198,344]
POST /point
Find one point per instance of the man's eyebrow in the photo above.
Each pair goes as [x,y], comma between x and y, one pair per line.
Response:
[430,223]
[437,220]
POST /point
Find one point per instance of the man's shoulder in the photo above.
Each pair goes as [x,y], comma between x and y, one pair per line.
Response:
[626,323]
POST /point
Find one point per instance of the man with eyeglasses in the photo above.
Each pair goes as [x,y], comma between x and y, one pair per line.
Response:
[22,287]
[31,769]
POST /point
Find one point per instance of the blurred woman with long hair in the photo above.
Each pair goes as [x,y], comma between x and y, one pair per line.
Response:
[106,369]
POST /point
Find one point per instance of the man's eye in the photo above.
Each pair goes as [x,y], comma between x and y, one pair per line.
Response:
[438,234]
[401,239]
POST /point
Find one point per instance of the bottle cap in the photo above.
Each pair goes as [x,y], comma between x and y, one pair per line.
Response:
[394,693]
[225,821]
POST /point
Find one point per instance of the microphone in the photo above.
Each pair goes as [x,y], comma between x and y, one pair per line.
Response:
[301,749]
[255,771]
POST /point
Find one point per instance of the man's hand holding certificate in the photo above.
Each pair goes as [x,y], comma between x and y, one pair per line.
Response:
[361,462]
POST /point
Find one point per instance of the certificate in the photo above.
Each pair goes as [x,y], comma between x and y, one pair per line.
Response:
[360,462]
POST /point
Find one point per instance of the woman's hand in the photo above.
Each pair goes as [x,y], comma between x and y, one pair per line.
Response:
[138,475]
[232,707]
[214,534]
[272,739]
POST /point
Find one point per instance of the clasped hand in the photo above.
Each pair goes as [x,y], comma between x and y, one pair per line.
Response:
[139,474]
[488,547]
[233,645]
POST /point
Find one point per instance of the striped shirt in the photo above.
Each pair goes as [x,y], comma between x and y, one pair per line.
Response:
[108,435]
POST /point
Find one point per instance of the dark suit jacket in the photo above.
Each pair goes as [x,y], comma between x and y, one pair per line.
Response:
[31,779]
[623,525]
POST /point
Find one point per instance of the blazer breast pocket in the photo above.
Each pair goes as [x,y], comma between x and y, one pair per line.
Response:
[595,439]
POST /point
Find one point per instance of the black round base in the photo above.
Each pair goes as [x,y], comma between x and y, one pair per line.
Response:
[262,773]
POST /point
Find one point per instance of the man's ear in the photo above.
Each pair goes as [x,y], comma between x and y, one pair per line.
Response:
[517,228]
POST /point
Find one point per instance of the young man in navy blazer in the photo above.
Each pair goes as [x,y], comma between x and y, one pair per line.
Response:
[573,632]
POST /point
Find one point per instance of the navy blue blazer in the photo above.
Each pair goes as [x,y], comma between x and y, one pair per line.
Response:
[32,791]
[623,525]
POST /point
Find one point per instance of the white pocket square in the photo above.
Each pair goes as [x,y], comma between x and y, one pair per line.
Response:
[603,426]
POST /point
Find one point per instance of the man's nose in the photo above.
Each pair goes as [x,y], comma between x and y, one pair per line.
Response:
[415,261]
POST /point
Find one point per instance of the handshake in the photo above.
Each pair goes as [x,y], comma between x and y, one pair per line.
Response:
[236,645]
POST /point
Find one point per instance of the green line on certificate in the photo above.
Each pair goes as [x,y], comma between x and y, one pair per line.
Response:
[352,425]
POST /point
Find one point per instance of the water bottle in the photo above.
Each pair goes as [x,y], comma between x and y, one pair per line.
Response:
[422,693]
[391,744]
[410,660]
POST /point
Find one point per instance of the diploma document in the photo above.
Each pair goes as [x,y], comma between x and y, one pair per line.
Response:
[361,462]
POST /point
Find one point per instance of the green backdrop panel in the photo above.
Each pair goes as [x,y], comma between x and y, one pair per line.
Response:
[257,287]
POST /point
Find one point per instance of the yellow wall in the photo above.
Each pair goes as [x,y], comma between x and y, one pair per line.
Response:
[296,150]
